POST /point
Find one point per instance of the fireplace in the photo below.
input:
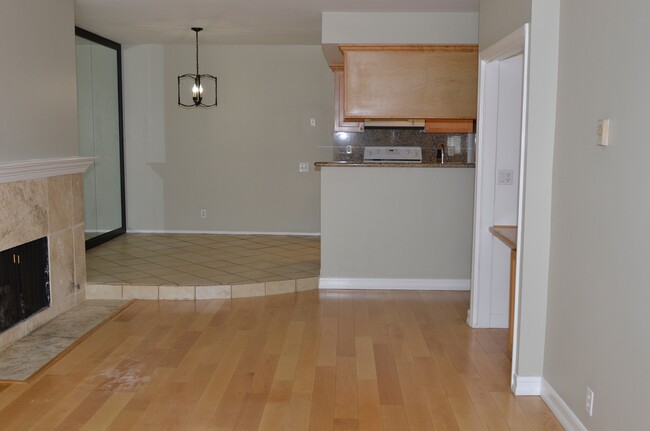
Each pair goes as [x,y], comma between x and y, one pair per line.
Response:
[24,282]
[42,199]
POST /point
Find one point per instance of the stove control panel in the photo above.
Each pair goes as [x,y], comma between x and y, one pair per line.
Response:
[392,154]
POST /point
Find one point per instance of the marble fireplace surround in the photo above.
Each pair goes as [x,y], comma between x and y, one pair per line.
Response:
[45,198]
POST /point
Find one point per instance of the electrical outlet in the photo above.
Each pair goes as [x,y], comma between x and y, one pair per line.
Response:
[312,122]
[589,402]
[204,213]
[303,167]
[505,177]
[453,145]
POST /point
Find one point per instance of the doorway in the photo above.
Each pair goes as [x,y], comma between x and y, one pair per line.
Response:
[501,147]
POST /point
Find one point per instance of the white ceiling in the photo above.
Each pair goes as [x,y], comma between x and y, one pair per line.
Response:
[233,21]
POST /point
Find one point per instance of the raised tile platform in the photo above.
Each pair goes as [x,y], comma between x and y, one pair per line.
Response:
[202,266]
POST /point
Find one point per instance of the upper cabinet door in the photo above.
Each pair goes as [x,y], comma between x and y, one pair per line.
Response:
[341,124]
[401,82]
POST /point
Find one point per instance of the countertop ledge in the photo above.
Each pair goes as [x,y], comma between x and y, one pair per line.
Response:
[391,165]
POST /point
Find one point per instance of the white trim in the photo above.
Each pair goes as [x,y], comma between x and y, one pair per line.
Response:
[222,232]
[393,284]
[499,321]
[522,198]
[514,44]
[518,42]
[509,46]
[42,168]
[560,409]
[527,385]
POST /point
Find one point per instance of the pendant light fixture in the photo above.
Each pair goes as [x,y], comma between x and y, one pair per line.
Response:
[202,88]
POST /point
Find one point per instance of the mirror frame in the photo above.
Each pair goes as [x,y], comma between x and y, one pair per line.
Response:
[107,236]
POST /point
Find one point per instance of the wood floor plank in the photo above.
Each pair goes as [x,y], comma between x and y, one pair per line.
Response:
[328,342]
[361,317]
[334,360]
[305,374]
[441,413]
[510,410]
[288,359]
[299,410]
[394,418]
[390,392]
[415,402]
[370,418]
[538,414]
[276,407]
[466,415]
[102,419]
[346,406]
[418,346]
[321,415]
[365,359]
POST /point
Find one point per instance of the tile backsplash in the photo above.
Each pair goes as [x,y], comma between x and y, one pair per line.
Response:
[349,146]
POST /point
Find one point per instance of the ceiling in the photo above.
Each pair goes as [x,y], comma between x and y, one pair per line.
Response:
[233,21]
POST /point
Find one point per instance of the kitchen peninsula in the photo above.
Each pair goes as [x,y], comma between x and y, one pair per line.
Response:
[396,225]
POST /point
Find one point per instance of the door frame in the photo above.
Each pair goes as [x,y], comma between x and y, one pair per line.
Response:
[516,43]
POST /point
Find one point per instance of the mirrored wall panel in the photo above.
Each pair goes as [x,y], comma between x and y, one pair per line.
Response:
[99,107]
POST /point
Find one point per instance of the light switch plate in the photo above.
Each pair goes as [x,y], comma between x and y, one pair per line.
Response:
[505,177]
[602,130]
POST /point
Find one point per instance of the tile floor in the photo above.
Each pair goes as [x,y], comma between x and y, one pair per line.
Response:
[202,259]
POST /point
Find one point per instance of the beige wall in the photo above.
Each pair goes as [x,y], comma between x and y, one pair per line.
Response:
[597,332]
[498,18]
[542,91]
[238,160]
[38,114]
[395,28]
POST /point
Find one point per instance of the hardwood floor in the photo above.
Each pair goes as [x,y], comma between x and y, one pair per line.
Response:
[333,360]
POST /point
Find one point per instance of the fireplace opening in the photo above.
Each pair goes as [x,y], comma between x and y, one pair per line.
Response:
[24,282]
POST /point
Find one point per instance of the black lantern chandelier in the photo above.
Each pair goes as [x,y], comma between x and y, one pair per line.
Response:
[203,87]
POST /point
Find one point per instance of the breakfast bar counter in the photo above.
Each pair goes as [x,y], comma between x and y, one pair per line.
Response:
[396,225]
[344,164]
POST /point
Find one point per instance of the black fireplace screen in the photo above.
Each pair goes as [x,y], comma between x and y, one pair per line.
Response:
[24,282]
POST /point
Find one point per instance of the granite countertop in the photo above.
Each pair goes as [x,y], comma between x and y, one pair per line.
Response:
[392,165]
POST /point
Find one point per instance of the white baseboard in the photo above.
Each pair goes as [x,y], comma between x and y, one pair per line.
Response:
[560,409]
[527,386]
[539,386]
[393,284]
[221,232]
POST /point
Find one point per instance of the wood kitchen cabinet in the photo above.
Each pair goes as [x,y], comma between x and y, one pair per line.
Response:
[449,126]
[340,122]
[416,81]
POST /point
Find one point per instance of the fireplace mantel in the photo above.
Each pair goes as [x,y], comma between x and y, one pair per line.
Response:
[42,168]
